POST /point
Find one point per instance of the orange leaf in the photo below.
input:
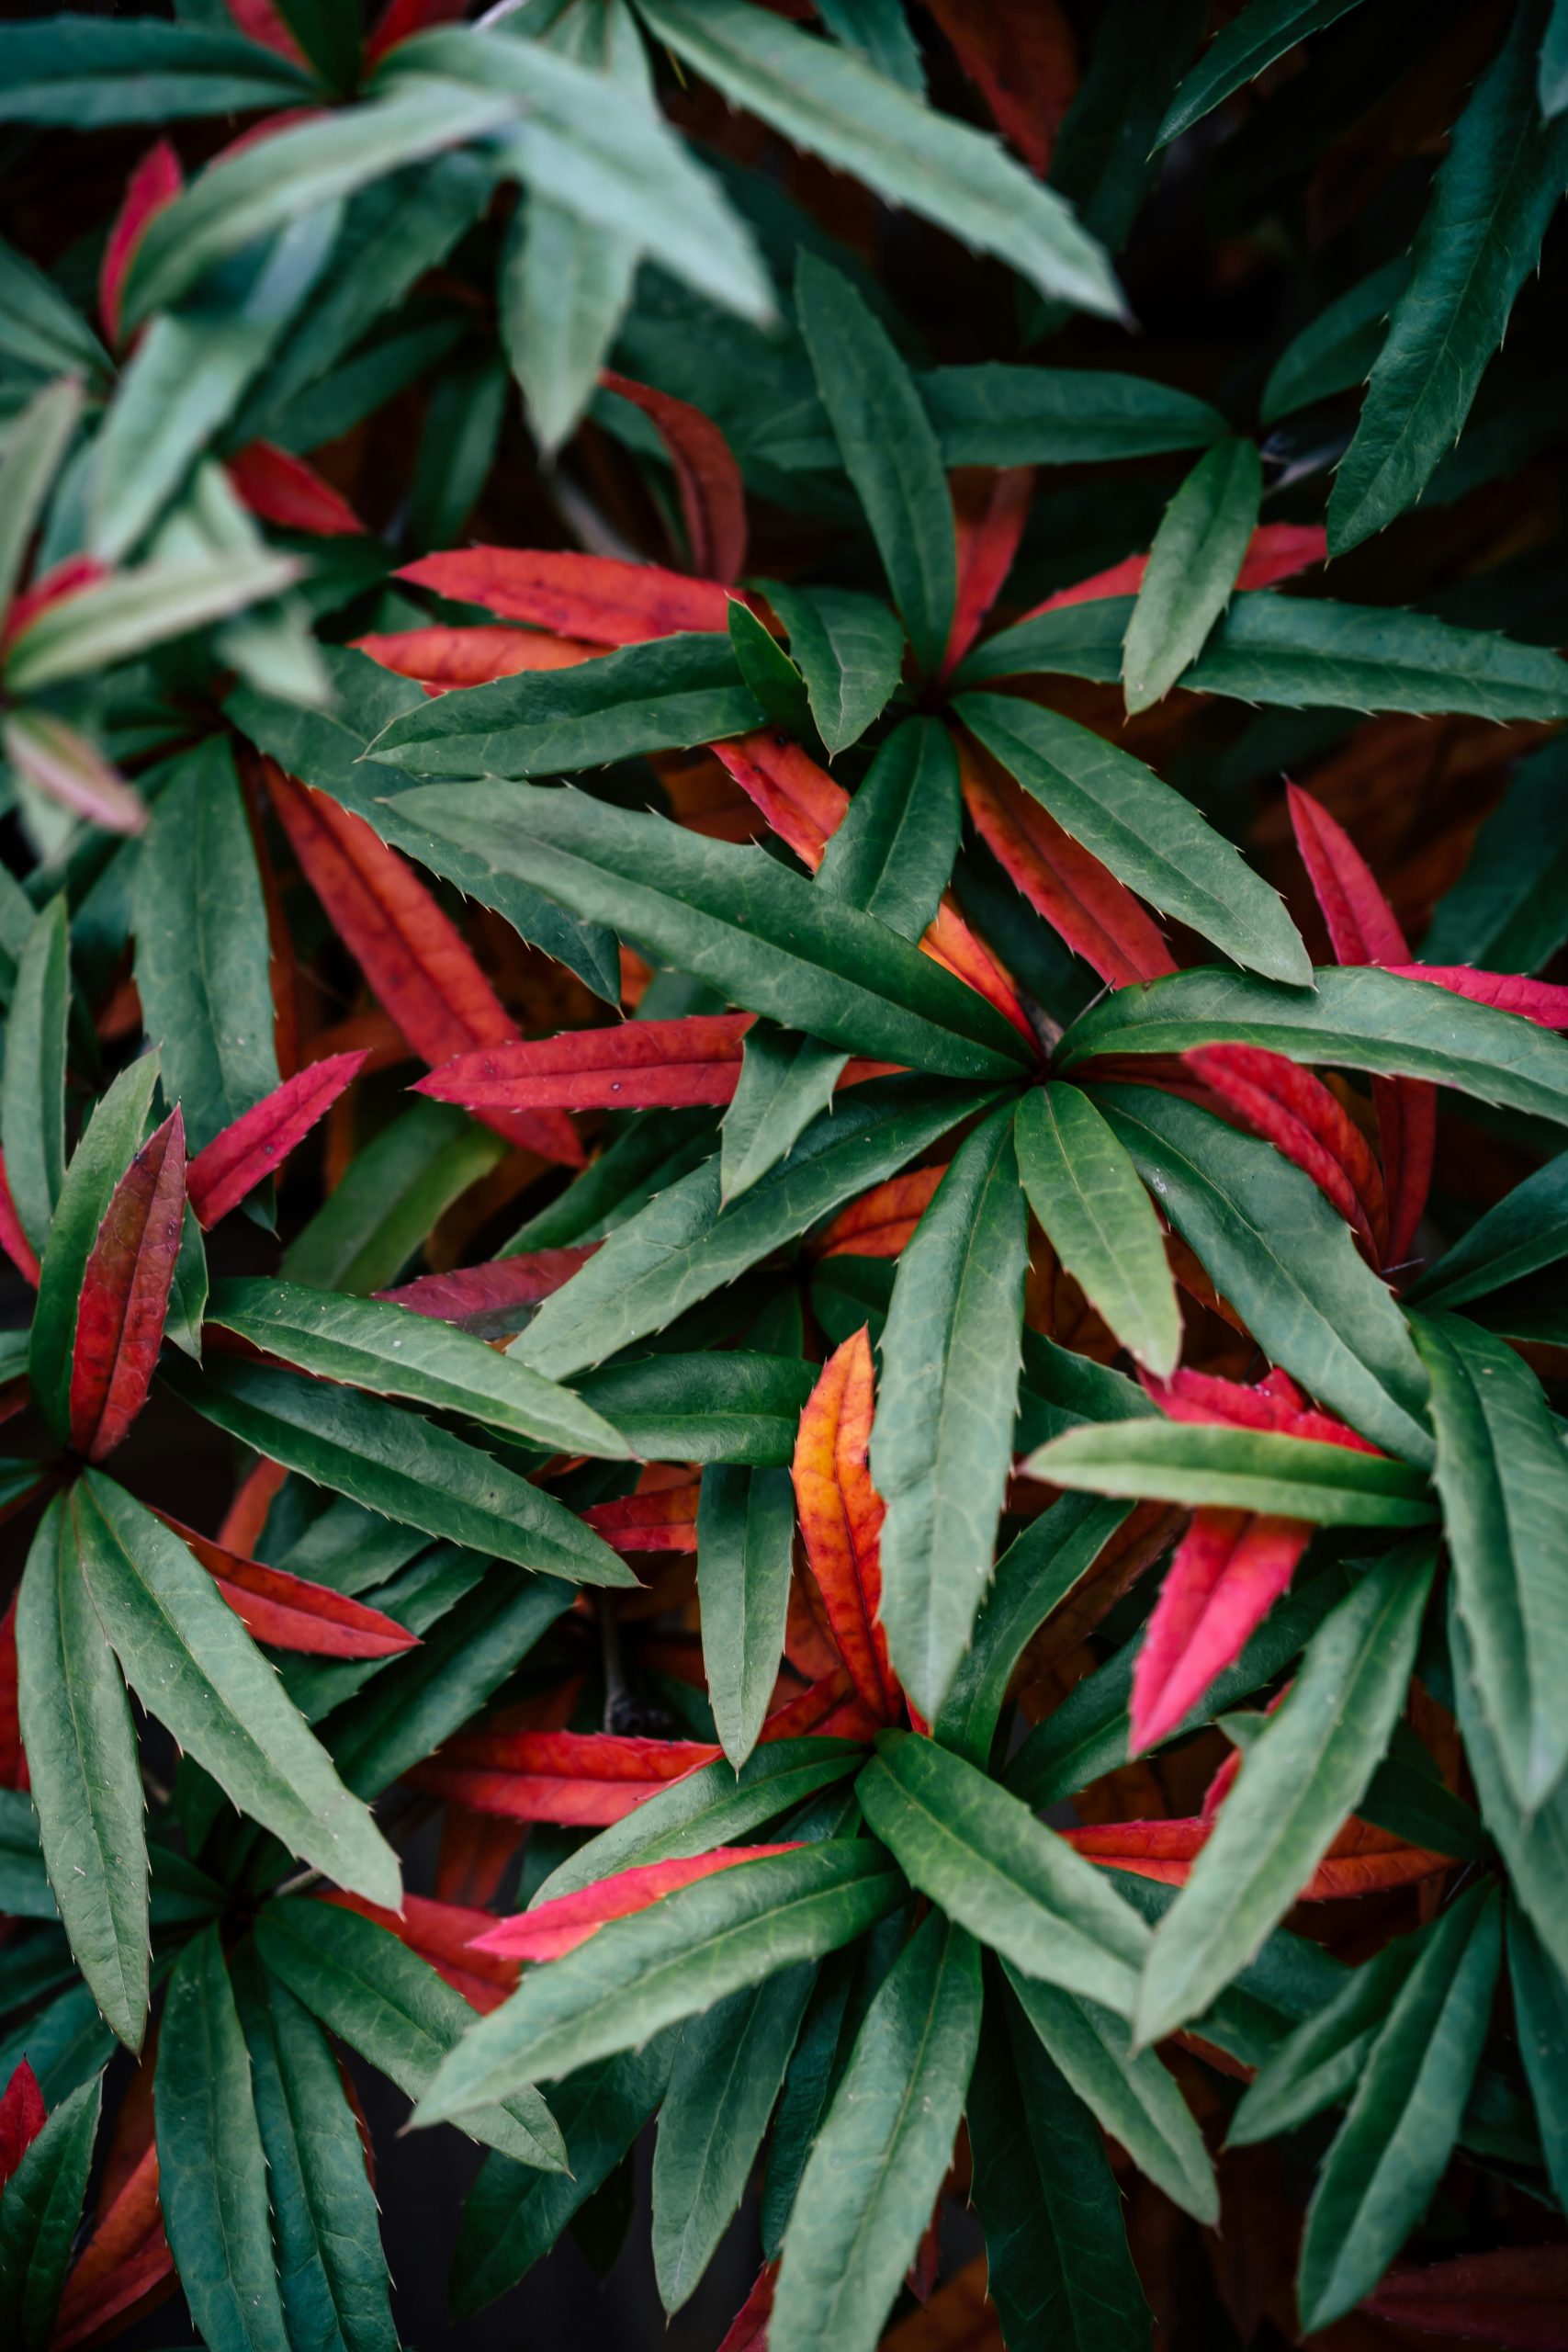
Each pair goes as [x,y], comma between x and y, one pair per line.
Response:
[475,1296]
[1229,1569]
[841,1519]
[879,1223]
[443,658]
[447,1935]
[712,496]
[591,596]
[628,1067]
[125,1294]
[1275,551]
[125,2267]
[583,1780]
[290,1612]
[991,508]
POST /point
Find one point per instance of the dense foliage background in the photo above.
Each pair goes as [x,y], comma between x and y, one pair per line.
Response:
[847,1434]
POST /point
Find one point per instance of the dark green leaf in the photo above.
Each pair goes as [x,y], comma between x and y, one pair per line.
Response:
[32,1094]
[1527,1229]
[996,415]
[775,684]
[1246,47]
[786,1080]
[1541,2014]
[745,1539]
[1101,158]
[849,649]
[38,2217]
[367,1230]
[735,1406]
[1321,2063]
[894,850]
[1208,1466]
[1533,1846]
[1193,569]
[1336,351]
[87,72]
[1084,1191]
[37,325]
[1552,85]
[1508,910]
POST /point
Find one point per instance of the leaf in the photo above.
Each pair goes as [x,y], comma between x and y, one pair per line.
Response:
[1540,2011]
[565,285]
[85,1773]
[982,1856]
[1379,2173]
[22,2118]
[1084,1191]
[202,950]
[1057,2263]
[628,1068]
[893,853]
[1278,1252]
[841,1517]
[1504,1483]
[849,649]
[712,496]
[1552,88]
[1132,2095]
[999,415]
[32,1092]
[1534,1846]
[728,2068]
[366,1232]
[603,600]
[399,1464]
[88,72]
[372,1992]
[1228,1571]
[739,1407]
[745,1532]
[641,1974]
[1244,1470]
[125,1295]
[1494,195]
[131,610]
[1301,1117]
[290,1611]
[189,1660]
[942,1443]
[1246,47]
[775,684]
[34,446]
[1149,837]
[65,768]
[1508,910]
[1300,1779]
[786,1082]
[990,510]
[1193,569]
[245,1153]
[890,451]
[868,2189]
[1319,2065]
[825,100]
[38,2218]
[550,1929]
[1335,351]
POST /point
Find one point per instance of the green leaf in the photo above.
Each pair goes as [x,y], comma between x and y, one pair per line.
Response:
[65,2043]
[514,2216]
[890,451]
[1101,157]
[38,2218]
[894,850]
[1336,351]
[367,1230]
[372,1992]
[683,1246]
[1502,1478]
[1534,1845]
[112,1138]
[941,1440]
[786,1080]
[1285,1259]
[1232,1469]
[728,2068]
[1193,569]
[1133,2095]
[825,100]
[24,1884]
[867,2191]
[1057,2264]
[1321,2063]
[640,1973]
[1304,652]
[1084,1191]
[849,649]
[398,1464]
[1246,47]
[983,1857]
[85,1774]
[1525,1230]
[37,325]
[34,446]
[651,1152]
[88,72]
[1390,2154]
[203,955]
[32,1092]
[1508,910]
[211,2166]
[998,415]
[1552,85]
[565,285]
[372,1344]
[1495,193]
[745,1539]
[192,1664]
[1541,2015]
[112,618]
[1151,838]
[1300,1780]
[735,1406]
[775,684]
[331,2274]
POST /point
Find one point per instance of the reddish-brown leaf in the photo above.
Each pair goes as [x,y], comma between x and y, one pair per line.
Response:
[261,20]
[1515,2299]
[259,1140]
[830,1707]
[13,1756]
[476,1294]
[284,490]
[450,1936]
[713,495]
[1275,551]
[440,659]
[22,2117]
[560,1926]
[663,1520]
[420,969]
[125,1294]
[628,1067]
[748,2330]
[13,1240]
[880,1223]
[841,1519]
[591,596]
[1229,1569]
[403,18]
[155,182]
[949,941]
[1023,57]
[1538,1000]
[124,2268]
[1301,1116]
[289,1612]
[582,1779]
[475,1856]
[1362,1860]
[990,507]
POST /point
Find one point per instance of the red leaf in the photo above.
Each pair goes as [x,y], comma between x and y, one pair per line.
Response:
[13,1756]
[831,1708]
[13,1240]
[125,1294]
[1293,1110]
[1231,1567]
[591,596]
[1515,2299]
[447,1935]
[1274,552]
[55,587]
[991,508]
[627,1068]
[284,490]
[1536,1000]
[1096,914]
[258,1142]
[1023,57]
[949,941]
[1361,1861]
[124,2268]
[582,1779]
[289,1612]
[841,1519]
[22,2117]
[443,658]
[475,1856]
[419,968]
[475,1294]
[261,21]
[664,1520]
[880,1223]
[1363,929]
[403,18]
[246,1517]
[748,2330]
[155,182]
[1275,1403]
[552,1928]
[713,495]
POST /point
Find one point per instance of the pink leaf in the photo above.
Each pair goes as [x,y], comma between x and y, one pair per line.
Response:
[1538,1000]
[1297,1113]
[402,19]
[626,1068]
[475,1294]
[1230,1568]
[261,21]
[259,1141]
[13,1240]
[125,1294]
[591,596]
[712,496]
[14,1772]
[66,767]
[582,1779]
[748,2330]
[552,1928]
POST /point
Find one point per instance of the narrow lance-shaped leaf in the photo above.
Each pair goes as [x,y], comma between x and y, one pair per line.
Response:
[1540,2007]
[849,649]
[786,1082]
[712,496]
[126,1285]
[38,2218]
[32,1094]
[1246,47]
[1099,1219]
[841,1518]
[244,1155]
[1237,1470]
[1193,564]
[745,1532]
